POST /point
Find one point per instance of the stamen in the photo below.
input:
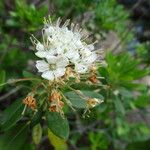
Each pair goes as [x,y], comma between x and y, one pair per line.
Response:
[76,28]
[58,22]
[43,36]
[66,23]
[33,39]
[72,26]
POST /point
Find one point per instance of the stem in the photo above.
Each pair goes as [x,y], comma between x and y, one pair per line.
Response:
[24,110]
[18,80]
[24,79]
[80,94]
[68,102]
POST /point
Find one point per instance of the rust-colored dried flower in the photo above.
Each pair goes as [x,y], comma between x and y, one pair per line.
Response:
[55,96]
[56,104]
[94,79]
[30,102]
[69,73]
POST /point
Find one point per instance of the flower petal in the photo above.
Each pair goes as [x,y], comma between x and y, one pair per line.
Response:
[86,52]
[91,58]
[51,59]
[49,31]
[41,54]
[90,47]
[48,75]
[59,72]
[62,61]
[42,66]
[72,55]
[81,68]
[39,47]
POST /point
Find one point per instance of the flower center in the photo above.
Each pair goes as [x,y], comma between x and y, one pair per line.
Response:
[52,66]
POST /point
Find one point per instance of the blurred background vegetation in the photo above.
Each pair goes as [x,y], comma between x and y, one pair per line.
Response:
[122,30]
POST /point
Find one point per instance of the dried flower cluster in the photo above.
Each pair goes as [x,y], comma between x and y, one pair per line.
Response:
[56,103]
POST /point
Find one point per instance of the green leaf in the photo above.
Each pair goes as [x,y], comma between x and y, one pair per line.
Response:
[119,106]
[144,145]
[2,78]
[36,119]
[27,74]
[15,138]
[125,93]
[37,134]
[122,73]
[58,125]
[11,115]
[142,101]
[78,102]
[28,146]
[98,140]
[58,143]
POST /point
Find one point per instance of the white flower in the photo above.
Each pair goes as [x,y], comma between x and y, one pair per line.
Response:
[86,60]
[67,44]
[53,68]
[72,55]
[81,68]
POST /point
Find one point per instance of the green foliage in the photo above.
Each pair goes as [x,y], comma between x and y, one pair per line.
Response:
[15,138]
[78,102]
[98,140]
[27,17]
[111,16]
[58,125]
[77,7]
[36,118]
[9,51]
[37,134]
[122,70]
[11,115]
[144,52]
[58,143]
[139,145]
[2,78]
[119,106]
[142,101]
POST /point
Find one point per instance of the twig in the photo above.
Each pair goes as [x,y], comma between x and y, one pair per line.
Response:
[68,102]
[11,81]
[79,93]
[11,92]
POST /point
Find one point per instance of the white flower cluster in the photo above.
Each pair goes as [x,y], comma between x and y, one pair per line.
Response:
[63,47]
